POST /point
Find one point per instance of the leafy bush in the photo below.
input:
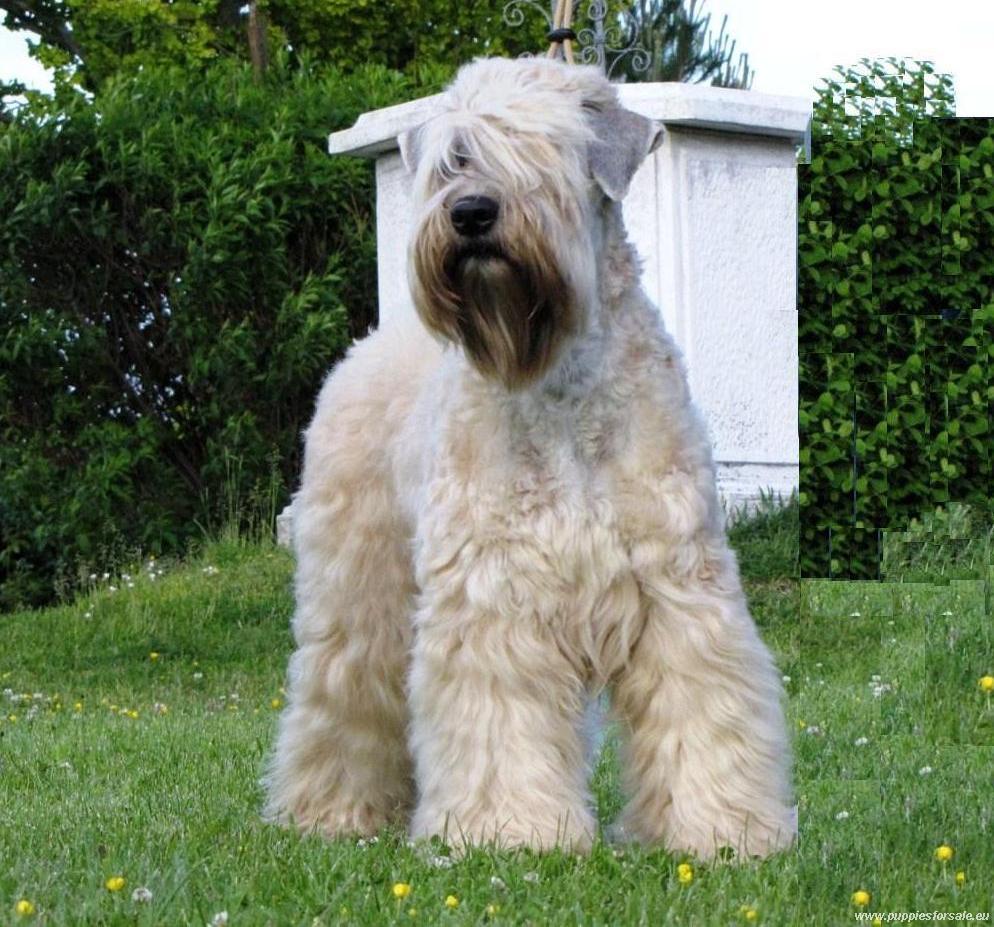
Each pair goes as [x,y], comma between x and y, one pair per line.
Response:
[176,259]
[896,300]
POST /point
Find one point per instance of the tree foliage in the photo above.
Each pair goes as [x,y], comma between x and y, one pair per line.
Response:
[176,257]
[88,41]
[676,38]
[896,300]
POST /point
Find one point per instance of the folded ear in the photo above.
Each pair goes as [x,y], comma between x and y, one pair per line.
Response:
[410,148]
[623,140]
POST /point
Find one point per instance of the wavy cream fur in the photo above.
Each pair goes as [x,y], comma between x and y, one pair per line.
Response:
[478,553]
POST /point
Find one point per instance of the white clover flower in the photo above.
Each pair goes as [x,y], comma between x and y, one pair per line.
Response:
[498,883]
[530,877]
[219,920]
[842,816]
[925,771]
[861,741]
[440,862]
[141,895]
[198,676]
[786,679]
[855,615]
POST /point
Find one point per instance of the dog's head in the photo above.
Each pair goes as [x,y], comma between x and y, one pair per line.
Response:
[511,181]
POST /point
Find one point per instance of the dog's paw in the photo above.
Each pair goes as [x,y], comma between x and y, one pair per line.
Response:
[360,820]
[726,839]
[574,836]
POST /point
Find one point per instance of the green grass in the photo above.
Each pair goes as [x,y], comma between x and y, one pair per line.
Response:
[170,800]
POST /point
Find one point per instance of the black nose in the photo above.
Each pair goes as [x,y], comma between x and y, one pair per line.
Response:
[473,215]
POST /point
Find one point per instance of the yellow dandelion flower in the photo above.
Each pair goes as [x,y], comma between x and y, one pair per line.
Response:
[493,910]
[750,914]
[451,901]
[24,908]
[401,889]
[276,703]
[878,921]
[944,853]
[114,883]
[986,683]
[78,706]
[154,655]
[861,898]
[412,912]
[960,877]
[685,873]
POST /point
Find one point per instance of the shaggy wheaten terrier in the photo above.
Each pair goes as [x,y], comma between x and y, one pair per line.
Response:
[508,505]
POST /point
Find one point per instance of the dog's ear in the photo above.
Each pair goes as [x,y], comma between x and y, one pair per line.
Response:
[622,141]
[410,148]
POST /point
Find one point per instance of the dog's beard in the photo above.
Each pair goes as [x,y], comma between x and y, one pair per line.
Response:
[511,311]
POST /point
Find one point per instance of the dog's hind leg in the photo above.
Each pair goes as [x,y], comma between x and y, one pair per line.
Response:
[341,763]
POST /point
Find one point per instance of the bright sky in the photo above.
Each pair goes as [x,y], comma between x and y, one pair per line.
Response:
[792,44]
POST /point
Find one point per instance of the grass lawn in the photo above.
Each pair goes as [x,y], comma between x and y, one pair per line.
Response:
[135,721]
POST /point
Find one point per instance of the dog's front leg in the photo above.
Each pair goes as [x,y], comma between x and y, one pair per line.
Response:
[707,760]
[496,712]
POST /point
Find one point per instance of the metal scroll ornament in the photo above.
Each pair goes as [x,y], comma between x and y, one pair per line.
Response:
[600,41]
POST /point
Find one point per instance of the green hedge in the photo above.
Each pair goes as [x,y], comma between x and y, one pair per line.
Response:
[896,312]
[180,263]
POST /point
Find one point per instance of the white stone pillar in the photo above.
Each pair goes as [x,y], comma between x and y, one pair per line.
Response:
[713,213]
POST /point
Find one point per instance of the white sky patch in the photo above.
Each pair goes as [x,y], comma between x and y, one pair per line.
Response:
[15,63]
[792,46]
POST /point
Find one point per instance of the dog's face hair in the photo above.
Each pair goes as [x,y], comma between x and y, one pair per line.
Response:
[540,145]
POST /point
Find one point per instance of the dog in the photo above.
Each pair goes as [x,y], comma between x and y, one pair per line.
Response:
[508,505]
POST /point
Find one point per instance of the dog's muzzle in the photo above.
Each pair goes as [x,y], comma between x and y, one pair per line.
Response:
[471,216]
